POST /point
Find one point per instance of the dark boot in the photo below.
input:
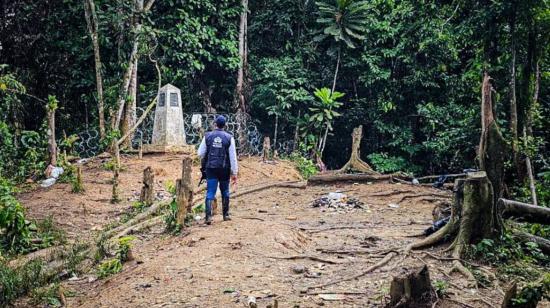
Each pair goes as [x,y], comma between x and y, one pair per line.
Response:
[225,205]
[208,211]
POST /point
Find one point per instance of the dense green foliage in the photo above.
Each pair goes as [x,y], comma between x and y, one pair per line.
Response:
[411,71]
[18,281]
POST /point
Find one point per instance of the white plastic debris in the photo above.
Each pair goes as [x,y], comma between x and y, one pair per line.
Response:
[196,121]
[415,181]
[393,205]
[48,182]
[56,172]
[198,217]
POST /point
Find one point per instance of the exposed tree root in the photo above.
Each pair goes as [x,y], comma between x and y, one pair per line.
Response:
[443,196]
[371,268]
[331,177]
[335,228]
[290,184]
[306,257]
[391,193]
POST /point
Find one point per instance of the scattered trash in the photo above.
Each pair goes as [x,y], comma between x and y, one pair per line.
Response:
[393,205]
[415,182]
[437,225]
[338,201]
[198,217]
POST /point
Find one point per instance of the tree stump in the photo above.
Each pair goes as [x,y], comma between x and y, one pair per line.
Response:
[474,216]
[184,191]
[412,288]
[266,149]
[147,191]
[355,162]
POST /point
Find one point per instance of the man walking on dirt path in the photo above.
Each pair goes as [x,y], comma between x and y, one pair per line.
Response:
[219,163]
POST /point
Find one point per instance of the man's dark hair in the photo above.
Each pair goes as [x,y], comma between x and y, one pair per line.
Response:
[220,122]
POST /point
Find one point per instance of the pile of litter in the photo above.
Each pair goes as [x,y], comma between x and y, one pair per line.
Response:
[338,201]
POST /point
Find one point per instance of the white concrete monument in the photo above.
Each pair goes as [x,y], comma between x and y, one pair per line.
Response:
[168,128]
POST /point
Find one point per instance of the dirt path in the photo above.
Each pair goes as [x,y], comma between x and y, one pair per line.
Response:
[223,264]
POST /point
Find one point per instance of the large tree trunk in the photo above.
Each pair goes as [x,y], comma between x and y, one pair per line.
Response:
[241,103]
[130,114]
[140,9]
[513,101]
[528,132]
[240,100]
[52,145]
[492,146]
[92,23]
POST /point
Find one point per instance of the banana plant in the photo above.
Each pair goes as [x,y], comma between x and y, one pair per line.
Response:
[324,113]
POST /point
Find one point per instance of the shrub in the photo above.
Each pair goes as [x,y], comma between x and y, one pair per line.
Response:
[387,164]
[19,281]
[13,225]
[305,166]
[109,267]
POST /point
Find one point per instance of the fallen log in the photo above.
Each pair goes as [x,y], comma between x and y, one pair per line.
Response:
[524,211]
[542,243]
[360,177]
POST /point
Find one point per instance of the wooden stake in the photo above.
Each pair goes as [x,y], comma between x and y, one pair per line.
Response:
[184,191]
[147,191]
[115,197]
[140,153]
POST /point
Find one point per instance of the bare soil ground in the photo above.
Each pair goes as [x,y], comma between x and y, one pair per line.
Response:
[277,247]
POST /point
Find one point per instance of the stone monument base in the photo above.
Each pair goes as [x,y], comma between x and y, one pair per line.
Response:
[158,148]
